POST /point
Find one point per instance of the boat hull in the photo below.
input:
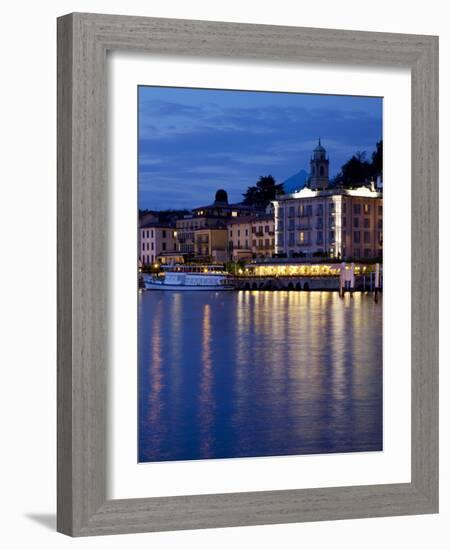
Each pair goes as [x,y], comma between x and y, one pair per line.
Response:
[185,288]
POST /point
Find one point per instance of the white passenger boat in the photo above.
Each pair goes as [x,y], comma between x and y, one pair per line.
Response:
[183,278]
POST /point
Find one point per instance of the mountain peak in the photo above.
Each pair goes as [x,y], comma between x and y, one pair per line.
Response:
[296,181]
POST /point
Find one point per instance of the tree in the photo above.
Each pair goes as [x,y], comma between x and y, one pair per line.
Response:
[358,171]
[265,190]
[377,159]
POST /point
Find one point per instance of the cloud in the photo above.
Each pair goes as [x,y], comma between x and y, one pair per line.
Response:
[191,146]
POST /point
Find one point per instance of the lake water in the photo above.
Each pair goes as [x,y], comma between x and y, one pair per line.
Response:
[260,373]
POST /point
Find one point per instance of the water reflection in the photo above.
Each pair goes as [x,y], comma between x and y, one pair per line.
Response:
[206,399]
[258,373]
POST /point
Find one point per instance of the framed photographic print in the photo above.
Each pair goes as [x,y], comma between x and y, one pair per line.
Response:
[246,346]
[245,335]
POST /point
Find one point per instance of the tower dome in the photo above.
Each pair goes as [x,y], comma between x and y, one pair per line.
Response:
[319,168]
[320,148]
[221,197]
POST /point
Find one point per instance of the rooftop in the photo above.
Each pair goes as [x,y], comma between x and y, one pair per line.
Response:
[235,206]
[157,225]
[307,193]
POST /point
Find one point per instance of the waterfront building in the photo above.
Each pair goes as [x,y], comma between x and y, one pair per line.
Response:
[331,222]
[144,219]
[170,258]
[186,228]
[240,238]
[251,237]
[156,239]
[211,244]
[220,209]
[286,268]
[263,236]
[206,227]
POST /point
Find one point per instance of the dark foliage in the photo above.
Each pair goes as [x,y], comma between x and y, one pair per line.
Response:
[263,192]
[358,171]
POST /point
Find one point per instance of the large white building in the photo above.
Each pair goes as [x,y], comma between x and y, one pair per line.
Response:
[332,222]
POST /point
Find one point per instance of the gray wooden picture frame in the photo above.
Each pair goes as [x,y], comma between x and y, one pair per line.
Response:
[83,42]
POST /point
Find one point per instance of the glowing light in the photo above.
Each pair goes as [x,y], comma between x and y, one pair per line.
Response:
[305,192]
[362,192]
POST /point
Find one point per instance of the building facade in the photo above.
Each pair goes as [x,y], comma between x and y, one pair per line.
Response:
[251,237]
[187,228]
[240,239]
[337,224]
[329,222]
[211,245]
[156,239]
[204,233]
[263,236]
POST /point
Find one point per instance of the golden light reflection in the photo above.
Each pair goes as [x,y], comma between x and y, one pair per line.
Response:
[299,371]
[206,399]
[176,339]
[156,377]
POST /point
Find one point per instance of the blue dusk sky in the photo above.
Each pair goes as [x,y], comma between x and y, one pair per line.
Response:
[194,141]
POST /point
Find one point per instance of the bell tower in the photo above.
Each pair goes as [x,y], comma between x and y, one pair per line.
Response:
[319,180]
